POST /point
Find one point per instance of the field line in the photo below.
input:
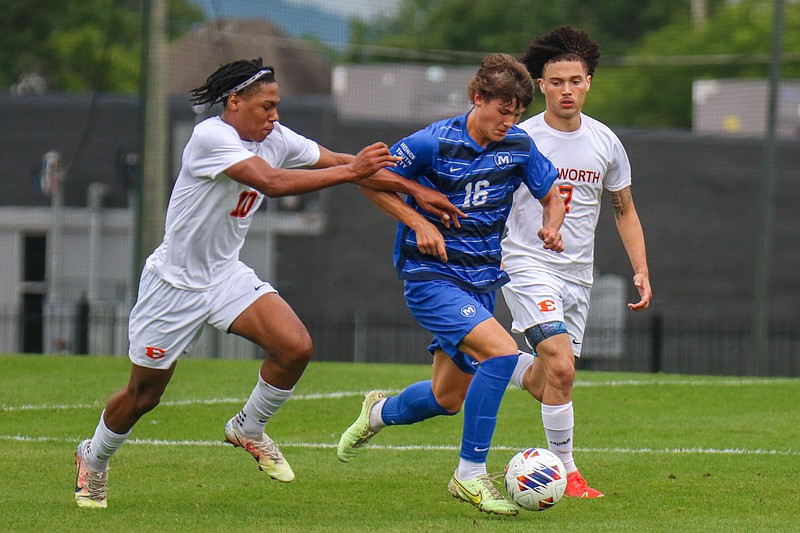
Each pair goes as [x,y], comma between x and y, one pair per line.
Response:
[448,448]
[350,394]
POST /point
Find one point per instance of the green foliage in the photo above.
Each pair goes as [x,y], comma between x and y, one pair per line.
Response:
[80,45]
[465,25]
[672,453]
[652,51]
[735,43]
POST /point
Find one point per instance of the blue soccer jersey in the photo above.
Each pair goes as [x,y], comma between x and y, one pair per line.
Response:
[481,182]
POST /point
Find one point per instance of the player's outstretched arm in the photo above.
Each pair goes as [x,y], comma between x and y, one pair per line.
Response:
[428,199]
[275,182]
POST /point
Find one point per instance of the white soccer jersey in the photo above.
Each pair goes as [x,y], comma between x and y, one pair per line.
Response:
[588,160]
[209,213]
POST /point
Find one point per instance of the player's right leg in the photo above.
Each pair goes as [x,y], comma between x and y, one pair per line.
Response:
[123,410]
[163,324]
[489,343]
[90,483]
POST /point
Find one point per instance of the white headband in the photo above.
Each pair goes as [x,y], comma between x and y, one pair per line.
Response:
[252,79]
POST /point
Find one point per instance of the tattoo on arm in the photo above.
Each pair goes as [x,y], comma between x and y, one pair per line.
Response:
[619,199]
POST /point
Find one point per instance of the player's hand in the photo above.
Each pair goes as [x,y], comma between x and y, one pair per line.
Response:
[551,239]
[437,204]
[371,159]
[642,284]
[430,240]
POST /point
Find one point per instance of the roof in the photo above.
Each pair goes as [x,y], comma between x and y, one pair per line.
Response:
[195,55]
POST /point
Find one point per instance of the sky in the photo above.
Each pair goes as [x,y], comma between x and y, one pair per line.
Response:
[326,20]
[365,8]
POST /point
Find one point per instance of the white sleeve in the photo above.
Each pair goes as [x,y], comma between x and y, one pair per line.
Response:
[618,175]
[214,149]
[299,151]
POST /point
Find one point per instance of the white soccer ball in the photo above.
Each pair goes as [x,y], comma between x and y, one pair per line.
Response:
[535,479]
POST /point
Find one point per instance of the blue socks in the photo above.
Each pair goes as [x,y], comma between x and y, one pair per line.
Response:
[481,405]
[417,403]
[414,404]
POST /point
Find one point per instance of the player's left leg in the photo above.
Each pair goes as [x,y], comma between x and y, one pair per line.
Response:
[270,323]
[441,395]
[251,308]
[551,378]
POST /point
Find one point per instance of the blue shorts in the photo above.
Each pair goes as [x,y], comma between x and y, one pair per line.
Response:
[450,313]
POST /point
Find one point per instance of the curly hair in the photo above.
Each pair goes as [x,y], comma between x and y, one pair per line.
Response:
[564,43]
[502,77]
[233,77]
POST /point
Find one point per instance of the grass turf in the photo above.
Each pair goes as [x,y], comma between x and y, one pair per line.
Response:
[672,453]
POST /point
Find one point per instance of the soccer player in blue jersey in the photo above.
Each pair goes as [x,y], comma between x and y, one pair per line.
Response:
[451,269]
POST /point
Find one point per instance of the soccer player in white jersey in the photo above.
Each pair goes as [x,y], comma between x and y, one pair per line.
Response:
[548,294]
[195,277]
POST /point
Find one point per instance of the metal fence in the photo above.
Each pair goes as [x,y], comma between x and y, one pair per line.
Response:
[650,344]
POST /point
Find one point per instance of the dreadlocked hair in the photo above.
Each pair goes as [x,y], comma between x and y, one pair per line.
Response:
[228,77]
[564,43]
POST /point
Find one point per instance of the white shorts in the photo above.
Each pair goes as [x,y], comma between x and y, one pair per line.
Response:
[536,297]
[166,321]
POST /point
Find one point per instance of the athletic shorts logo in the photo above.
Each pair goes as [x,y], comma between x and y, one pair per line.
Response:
[155,353]
[547,305]
[468,311]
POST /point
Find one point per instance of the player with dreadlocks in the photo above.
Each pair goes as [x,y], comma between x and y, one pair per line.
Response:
[548,294]
[194,277]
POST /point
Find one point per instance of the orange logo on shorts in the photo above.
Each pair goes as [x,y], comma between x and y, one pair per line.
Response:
[547,305]
[155,353]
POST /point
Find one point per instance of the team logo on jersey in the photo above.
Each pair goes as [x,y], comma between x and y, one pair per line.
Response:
[468,311]
[502,159]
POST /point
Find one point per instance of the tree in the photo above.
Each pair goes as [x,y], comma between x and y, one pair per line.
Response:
[79,45]
[652,50]
[468,26]
[655,88]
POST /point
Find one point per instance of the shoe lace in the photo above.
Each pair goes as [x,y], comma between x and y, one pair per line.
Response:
[96,483]
[363,438]
[489,485]
[267,446]
[496,476]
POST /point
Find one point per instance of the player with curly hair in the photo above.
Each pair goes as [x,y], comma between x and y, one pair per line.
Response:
[548,294]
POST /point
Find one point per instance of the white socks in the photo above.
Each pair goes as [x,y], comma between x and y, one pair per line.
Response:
[558,422]
[469,470]
[103,445]
[264,402]
[375,419]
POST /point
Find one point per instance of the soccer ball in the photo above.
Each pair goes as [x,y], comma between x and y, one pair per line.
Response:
[535,479]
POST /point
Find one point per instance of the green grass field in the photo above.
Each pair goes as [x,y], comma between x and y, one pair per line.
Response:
[672,453]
